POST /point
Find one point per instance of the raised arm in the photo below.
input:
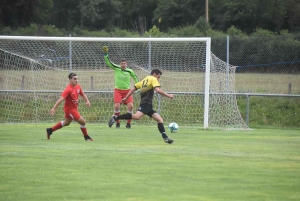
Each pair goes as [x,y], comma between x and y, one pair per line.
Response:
[107,60]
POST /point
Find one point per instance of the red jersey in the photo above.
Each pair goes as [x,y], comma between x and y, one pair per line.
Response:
[71,94]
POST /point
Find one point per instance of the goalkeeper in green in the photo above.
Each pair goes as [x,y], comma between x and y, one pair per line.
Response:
[122,85]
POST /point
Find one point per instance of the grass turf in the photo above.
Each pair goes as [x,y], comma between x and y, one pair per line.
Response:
[135,164]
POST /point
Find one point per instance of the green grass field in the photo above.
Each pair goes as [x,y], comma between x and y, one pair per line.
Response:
[122,164]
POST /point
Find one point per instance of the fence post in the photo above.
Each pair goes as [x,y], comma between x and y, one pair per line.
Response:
[290,88]
[92,83]
[70,54]
[247,109]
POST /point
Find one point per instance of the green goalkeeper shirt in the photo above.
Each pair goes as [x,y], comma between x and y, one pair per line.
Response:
[122,77]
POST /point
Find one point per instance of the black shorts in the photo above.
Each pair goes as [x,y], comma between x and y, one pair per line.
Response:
[146,109]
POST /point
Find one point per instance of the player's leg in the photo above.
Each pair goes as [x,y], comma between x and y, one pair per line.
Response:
[129,110]
[83,128]
[161,127]
[135,116]
[129,103]
[117,104]
[59,125]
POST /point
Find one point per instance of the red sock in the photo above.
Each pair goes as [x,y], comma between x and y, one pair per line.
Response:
[57,126]
[117,114]
[84,131]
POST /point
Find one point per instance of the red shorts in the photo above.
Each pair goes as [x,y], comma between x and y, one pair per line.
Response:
[120,94]
[72,114]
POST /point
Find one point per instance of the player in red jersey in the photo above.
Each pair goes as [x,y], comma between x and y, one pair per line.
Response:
[70,96]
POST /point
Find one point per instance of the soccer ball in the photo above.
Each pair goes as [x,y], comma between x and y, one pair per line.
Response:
[173,127]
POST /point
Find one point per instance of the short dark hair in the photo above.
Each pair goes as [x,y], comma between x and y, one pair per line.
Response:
[156,71]
[71,75]
[123,60]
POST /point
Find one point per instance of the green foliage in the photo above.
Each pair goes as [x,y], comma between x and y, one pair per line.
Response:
[215,33]
[136,15]
[34,30]
[272,111]
[154,32]
[31,30]
[50,30]
[17,14]
[98,14]
[202,25]
[140,16]
[83,32]
[123,33]
[263,33]
[187,31]
[6,31]
[249,15]
[177,13]
[233,31]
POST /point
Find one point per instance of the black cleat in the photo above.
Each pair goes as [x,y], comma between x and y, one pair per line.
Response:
[168,140]
[128,125]
[117,125]
[111,121]
[49,132]
[88,138]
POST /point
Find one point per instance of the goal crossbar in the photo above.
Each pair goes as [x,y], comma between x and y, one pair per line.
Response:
[150,39]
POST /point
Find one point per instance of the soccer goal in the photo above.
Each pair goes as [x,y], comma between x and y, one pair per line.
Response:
[34,70]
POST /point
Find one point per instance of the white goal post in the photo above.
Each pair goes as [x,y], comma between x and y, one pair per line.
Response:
[34,72]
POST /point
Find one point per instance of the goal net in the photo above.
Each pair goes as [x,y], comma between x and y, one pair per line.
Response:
[34,70]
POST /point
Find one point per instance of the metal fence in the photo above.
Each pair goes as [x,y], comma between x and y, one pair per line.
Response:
[265,66]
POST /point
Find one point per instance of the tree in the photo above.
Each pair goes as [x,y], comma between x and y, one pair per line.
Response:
[65,14]
[178,13]
[292,19]
[16,13]
[248,15]
[137,15]
[98,14]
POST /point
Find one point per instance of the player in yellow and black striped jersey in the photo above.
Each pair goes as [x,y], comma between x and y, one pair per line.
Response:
[147,87]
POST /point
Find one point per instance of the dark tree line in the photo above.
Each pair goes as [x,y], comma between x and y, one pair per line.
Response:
[142,15]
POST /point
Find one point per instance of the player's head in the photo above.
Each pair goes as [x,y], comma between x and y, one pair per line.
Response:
[123,64]
[156,73]
[73,78]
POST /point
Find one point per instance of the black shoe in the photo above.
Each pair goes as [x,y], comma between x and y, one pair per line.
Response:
[88,138]
[128,125]
[49,132]
[168,140]
[117,125]
[111,121]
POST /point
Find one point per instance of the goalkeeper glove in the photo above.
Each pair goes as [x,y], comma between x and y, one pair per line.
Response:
[105,50]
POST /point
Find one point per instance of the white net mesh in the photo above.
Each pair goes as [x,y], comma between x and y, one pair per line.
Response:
[34,72]
[224,111]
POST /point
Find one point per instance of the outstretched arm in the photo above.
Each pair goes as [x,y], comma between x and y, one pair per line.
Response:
[161,92]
